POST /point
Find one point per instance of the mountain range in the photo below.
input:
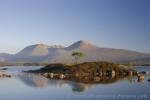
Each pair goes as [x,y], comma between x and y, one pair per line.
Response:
[41,53]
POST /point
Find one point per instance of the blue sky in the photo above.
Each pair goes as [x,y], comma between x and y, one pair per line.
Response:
[107,23]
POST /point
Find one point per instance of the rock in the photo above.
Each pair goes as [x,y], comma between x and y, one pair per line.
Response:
[113,73]
[96,74]
[141,78]
[51,75]
[86,78]
[97,79]
[3,75]
[62,76]
[45,74]
[144,72]
[4,69]
[100,73]
[130,73]
[148,80]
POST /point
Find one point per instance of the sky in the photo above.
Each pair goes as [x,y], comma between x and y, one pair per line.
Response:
[123,24]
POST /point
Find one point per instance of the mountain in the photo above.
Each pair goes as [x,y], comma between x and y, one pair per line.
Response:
[34,53]
[81,45]
[140,61]
[58,54]
[38,50]
[4,56]
[34,50]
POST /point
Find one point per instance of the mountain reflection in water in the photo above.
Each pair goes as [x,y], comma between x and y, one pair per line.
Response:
[27,86]
[35,80]
[38,81]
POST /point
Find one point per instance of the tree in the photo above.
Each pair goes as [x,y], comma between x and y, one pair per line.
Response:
[77,56]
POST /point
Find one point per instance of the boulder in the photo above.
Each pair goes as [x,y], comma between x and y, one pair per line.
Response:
[141,78]
[148,80]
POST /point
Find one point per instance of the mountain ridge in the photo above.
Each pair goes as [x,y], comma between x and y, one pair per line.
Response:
[43,53]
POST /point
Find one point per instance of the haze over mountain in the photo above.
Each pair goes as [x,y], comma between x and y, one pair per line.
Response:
[42,53]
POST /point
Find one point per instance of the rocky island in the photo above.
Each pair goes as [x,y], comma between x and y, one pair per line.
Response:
[88,72]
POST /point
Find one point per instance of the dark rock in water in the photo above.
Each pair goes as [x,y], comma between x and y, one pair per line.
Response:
[148,80]
[144,72]
[4,69]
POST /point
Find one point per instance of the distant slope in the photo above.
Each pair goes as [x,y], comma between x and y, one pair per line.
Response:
[4,56]
[94,53]
[139,61]
[59,54]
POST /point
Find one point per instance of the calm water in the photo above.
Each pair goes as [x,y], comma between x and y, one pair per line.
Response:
[23,86]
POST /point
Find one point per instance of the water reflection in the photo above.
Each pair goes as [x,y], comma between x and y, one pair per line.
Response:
[37,87]
[38,81]
[33,80]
